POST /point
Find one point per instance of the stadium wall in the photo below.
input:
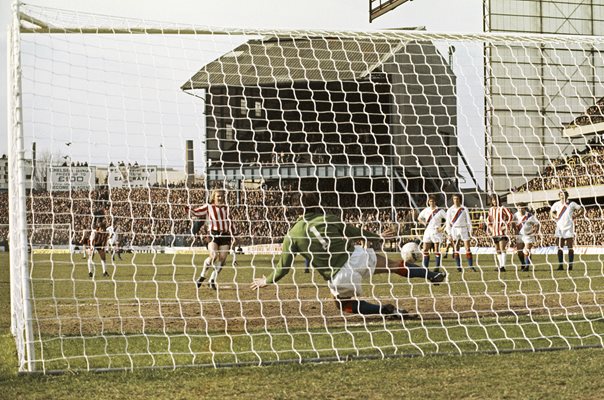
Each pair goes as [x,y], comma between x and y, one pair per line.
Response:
[275,249]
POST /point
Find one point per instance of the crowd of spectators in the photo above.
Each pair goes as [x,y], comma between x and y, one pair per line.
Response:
[582,168]
[158,216]
[593,115]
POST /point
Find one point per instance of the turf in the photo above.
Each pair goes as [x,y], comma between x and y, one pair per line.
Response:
[530,375]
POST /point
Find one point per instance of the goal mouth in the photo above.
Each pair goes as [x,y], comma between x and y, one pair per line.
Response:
[146,148]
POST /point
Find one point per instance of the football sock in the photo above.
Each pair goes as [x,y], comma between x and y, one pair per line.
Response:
[438,260]
[560,258]
[426,262]
[571,258]
[360,307]
[527,258]
[402,269]
[457,259]
[411,270]
[206,265]
[502,258]
[417,272]
[521,257]
[216,271]
[469,258]
[90,265]
[104,265]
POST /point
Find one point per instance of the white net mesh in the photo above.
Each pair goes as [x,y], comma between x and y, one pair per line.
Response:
[372,122]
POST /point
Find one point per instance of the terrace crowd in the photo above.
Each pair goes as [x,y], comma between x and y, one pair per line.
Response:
[158,216]
[581,168]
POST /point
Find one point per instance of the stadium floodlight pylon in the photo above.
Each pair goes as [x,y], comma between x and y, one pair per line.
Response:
[373,122]
[378,8]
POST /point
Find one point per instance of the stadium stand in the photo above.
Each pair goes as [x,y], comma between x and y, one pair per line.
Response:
[592,116]
[582,168]
[158,217]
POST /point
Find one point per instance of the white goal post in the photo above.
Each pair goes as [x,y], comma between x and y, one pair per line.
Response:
[141,121]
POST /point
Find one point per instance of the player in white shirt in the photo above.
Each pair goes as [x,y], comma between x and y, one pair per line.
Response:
[527,226]
[113,242]
[459,228]
[84,242]
[498,224]
[433,218]
[562,212]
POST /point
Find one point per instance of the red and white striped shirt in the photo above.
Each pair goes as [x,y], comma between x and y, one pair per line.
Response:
[216,215]
[499,221]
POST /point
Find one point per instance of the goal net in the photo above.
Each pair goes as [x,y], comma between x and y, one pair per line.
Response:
[131,125]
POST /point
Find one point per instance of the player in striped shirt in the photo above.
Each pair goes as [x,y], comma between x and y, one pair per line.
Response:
[562,212]
[498,226]
[527,226]
[216,216]
[433,218]
[98,242]
[332,248]
[459,228]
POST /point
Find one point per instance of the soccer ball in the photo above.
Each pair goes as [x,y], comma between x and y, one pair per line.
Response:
[411,253]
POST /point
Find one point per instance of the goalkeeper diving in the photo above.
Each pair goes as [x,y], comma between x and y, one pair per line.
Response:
[332,248]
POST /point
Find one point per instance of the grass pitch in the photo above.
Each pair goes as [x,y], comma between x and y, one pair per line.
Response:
[150,305]
[150,313]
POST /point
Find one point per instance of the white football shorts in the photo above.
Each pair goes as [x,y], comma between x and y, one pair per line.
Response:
[526,239]
[348,281]
[565,233]
[459,234]
[432,236]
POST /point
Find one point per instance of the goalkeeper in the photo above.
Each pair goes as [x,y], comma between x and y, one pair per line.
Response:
[329,245]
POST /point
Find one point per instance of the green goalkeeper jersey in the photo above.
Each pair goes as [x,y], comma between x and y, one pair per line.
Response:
[323,240]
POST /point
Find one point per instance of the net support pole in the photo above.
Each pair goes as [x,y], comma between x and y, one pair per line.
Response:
[21,319]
